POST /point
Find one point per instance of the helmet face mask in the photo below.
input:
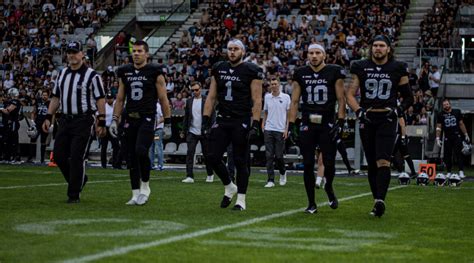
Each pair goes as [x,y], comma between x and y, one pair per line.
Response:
[423,179]
[404,179]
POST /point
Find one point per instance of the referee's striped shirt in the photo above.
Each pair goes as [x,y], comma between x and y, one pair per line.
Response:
[78,90]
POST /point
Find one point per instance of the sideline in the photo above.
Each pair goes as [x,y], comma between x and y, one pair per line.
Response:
[126,249]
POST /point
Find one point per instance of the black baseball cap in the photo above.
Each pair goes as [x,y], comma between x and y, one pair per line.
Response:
[74,47]
[383,38]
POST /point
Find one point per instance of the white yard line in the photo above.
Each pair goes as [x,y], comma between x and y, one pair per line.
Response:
[89,182]
[127,249]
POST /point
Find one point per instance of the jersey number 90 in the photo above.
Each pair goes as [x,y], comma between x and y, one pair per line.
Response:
[378,89]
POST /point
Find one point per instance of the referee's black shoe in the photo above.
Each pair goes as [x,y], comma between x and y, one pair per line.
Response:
[379,208]
[71,200]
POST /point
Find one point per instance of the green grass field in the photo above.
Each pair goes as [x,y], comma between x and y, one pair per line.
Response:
[183,222]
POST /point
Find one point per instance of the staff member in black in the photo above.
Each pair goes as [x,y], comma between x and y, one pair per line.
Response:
[11,114]
[78,94]
[39,115]
[142,84]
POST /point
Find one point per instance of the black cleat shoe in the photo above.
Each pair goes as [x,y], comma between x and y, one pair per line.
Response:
[73,200]
[238,208]
[333,202]
[225,202]
[379,208]
[312,209]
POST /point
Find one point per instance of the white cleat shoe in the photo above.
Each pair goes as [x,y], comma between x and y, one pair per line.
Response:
[283,179]
[269,184]
[142,199]
[461,175]
[210,179]
[188,180]
[132,202]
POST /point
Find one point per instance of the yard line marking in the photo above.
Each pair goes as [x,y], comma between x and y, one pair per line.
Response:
[124,250]
[89,182]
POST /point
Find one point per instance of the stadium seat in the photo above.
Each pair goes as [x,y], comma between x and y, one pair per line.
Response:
[170,148]
[182,149]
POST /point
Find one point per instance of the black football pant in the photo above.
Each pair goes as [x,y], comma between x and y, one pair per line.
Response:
[224,132]
[43,138]
[139,134]
[310,136]
[70,149]
[453,145]
[378,139]
[341,148]
[104,142]
[11,144]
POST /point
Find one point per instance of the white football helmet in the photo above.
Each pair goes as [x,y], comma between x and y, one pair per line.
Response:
[423,179]
[404,179]
[455,180]
[32,132]
[440,180]
[466,148]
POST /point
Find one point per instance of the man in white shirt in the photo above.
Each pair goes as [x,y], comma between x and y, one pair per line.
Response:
[104,142]
[156,148]
[192,130]
[351,39]
[434,79]
[275,127]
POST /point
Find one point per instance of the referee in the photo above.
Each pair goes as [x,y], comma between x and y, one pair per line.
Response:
[78,94]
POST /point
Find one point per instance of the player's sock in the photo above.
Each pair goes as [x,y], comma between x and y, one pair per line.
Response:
[383,181]
[145,188]
[240,201]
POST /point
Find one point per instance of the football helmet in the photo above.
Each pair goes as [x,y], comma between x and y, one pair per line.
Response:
[32,132]
[454,180]
[440,180]
[404,179]
[422,179]
[466,148]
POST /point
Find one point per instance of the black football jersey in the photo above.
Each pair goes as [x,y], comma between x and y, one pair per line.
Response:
[13,115]
[450,121]
[379,83]
[140,89]
[318,89]
[41,111]
[234,87]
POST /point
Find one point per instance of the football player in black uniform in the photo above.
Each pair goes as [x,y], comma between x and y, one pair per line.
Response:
[320,87]
[142,84]
[39,115]
[380,79]
[401,145]
[237,87]
[451,122]
[11,123]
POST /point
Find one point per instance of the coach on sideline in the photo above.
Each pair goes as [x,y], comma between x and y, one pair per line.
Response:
[78,94]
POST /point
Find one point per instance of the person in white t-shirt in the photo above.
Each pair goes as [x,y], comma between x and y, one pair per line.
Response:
[434,79]
[275,127]
[156,149]
[192,132]
[104,142]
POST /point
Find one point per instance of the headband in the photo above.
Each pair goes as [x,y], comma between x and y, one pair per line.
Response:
[236,42]
[382,38]
[316,46]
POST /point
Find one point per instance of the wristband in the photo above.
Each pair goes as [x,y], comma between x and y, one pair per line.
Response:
[101,123]
[49,117]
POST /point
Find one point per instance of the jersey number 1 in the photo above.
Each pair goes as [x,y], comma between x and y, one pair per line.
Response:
[228,95]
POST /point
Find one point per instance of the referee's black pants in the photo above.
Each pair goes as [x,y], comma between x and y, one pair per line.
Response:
[139,134]
[70,148]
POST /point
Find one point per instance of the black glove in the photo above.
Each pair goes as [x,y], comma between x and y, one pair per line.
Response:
[253,133]
[336,130]
[361,114]
[206,126]
[292,132]
[404,140]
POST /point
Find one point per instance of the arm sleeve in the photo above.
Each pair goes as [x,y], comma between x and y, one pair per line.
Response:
[98,87]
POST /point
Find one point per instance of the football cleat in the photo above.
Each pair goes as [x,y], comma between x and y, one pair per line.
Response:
[225,202]
[132,202]
[188,180]
[238,208]
[269,184]
[142,199]
[312,209]
[73,200]
[283,179]
[333,202]
[379,208]
[210,179]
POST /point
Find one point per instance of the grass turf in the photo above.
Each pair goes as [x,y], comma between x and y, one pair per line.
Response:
[423,224]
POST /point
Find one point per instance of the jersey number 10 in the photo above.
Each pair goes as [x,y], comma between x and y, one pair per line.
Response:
[317,94]
[378,89]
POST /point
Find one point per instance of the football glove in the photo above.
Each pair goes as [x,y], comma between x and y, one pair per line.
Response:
[438,142]
[361,114]
[113,129]
[336,130]
[253,133]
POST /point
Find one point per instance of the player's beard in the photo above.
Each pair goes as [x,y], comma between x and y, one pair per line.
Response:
[382,57]
[316,65]
[448,108]
[236,60]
